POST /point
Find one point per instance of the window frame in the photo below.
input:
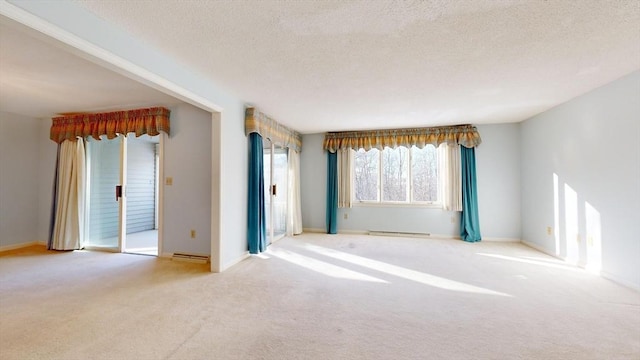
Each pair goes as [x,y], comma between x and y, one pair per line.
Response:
[409,188]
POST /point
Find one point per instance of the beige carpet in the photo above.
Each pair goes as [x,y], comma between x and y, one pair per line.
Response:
[316,297]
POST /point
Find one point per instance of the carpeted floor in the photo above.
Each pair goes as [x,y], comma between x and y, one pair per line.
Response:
[316,297]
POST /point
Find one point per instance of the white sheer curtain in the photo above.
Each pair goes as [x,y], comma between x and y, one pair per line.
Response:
[68,230]
[294,213]
[344,178]
[450,177]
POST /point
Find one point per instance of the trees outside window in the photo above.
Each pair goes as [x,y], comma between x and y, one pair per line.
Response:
[399,175]
[366,174]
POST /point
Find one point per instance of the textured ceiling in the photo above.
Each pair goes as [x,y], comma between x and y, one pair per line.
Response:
[339,65]
[39,78]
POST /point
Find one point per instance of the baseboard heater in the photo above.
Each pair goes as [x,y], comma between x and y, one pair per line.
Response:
[200,259]
[398,233]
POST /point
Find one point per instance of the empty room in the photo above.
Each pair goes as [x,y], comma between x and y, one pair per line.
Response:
[330,179]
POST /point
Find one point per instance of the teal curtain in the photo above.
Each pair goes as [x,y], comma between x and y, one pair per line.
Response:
[470,222]
[332,193]
[256,222]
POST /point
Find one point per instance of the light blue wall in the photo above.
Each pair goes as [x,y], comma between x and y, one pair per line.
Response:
[313,182]
[187,203]
[591,144]
[47,152]
[19,179]
[498,187]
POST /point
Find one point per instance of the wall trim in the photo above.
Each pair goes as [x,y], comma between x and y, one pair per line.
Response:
[324,231]
[541,249]
[314,230]
[619,280]
[235,261]
[498,239]
[603,274]
[22,245]
[407,234]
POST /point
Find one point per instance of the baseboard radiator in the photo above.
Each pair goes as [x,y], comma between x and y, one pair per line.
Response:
[200,259]
[398,233]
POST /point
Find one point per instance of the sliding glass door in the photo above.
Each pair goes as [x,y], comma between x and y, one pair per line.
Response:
[275,180]
[122,187]
[105,203]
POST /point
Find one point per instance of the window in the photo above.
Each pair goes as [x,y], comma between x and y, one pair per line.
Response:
[366,175]
[399,175]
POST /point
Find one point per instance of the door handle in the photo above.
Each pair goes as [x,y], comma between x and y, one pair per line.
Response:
[118,192]
[273,190]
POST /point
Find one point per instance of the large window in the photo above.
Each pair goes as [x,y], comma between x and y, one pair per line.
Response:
[397,175]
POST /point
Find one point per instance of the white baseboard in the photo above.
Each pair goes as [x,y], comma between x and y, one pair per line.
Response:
[22,245]
[353,232]
[391,233]
[600,273]
[228,264]
[166,255]
[541,249]
[235,261]
[314,230]
[411,235]
[619,280]
[496,239]
[324,231]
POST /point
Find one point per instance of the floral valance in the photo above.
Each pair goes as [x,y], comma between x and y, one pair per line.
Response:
[465,135]
[141,121]
[255,121]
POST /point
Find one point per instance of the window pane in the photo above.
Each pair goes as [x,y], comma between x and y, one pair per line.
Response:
[395,168]
[365,174]
[424,171]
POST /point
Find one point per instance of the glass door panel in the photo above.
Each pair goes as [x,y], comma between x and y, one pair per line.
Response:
[276,172]
[279,198]
[103,207]
[267,188]
[142,193]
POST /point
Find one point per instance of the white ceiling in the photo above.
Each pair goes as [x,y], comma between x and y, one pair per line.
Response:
[39,78]
[341,65]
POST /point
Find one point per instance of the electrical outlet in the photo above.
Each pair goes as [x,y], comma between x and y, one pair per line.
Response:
[168,180]
[453,219]
[346,216]
[193,234]
[549,230]
[578,238]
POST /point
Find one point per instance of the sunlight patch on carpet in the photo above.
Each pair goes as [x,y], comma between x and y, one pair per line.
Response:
[568,267]
[321,266]
[401,272]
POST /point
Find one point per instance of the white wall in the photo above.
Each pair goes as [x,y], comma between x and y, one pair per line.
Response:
[498,176]
[234,178]
[18,179]
[591,144]
[498,193]
[187,203]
